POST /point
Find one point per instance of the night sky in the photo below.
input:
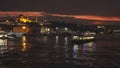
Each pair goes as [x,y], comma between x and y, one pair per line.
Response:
[108,9]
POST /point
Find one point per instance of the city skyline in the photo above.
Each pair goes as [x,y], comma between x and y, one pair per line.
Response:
[97,11]
[42,14]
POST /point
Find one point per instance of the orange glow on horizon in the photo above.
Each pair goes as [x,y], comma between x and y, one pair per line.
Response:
[97,23]
[16,13]
[99,18]
[85,17]
[89,17]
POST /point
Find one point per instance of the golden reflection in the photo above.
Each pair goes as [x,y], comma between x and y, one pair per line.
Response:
[23,39]
[24,47]
[24,44]
[3,46]
[3,41]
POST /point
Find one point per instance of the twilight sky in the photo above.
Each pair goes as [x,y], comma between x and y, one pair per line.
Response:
[101,10]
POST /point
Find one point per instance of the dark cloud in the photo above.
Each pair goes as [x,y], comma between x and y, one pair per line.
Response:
[85,7]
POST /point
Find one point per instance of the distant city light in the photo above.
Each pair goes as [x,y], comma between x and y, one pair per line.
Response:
[66,29]
[56,27]
[24,27]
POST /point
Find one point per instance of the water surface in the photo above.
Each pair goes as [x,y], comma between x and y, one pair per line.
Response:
[59,52]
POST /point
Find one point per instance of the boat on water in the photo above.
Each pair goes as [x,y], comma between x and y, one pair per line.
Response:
[85,37]
[3,35]
[15,34]
[88,33]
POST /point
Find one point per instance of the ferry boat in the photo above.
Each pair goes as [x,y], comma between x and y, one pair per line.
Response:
[88,33]
[86,37]
[83,38]
[3,35]
[15,34]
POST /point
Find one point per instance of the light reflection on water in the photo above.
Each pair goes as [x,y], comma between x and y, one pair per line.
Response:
[24,44]
[52,49]
[3,46]
[84,52]
[56,39]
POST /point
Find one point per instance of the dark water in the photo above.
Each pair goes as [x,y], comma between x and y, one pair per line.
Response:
[59,52]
